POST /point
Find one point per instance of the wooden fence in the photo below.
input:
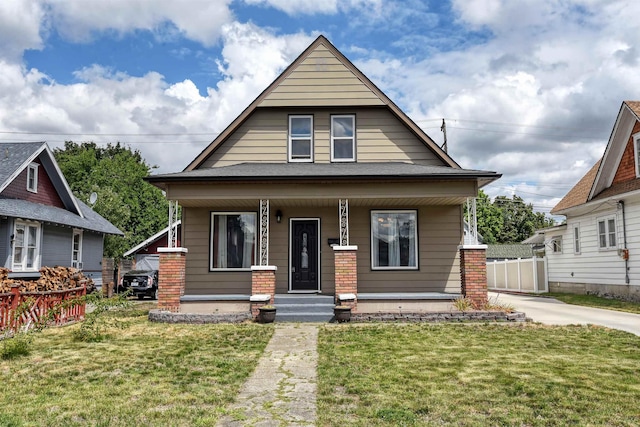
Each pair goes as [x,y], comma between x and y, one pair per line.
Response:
[57,307]
[519,275]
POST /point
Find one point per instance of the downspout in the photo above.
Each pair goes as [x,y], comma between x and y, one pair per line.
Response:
[626,250]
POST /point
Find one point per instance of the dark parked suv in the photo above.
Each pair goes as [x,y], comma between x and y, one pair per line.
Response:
[141,283]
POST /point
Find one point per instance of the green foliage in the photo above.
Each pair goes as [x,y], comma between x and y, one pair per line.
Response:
[507,220]
[16,346]
[115,173]
[97,322]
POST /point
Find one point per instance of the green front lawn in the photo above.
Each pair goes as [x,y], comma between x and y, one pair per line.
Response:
[146,374]
[470,375]
[597,302]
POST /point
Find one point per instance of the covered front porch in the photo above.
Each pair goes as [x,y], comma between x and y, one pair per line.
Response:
[324,252]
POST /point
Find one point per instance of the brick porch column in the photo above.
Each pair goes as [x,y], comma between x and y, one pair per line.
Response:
[346,275]
[263,286]
[171,278]
[473,273]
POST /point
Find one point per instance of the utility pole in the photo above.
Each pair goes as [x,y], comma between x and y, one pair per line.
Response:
[443,128]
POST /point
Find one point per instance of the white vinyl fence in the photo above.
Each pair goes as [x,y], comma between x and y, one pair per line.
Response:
[519,275]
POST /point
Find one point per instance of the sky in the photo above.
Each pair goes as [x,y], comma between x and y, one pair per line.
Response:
[529,88]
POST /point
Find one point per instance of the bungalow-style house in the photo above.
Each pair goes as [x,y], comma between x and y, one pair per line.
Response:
[41,222]
[596,250]
[322,186]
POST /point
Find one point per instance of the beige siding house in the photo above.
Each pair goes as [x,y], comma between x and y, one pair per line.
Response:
[321,186]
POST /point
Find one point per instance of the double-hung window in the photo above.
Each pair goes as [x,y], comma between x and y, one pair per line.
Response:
[607,233]
[76,249]
[576,239]
[233,240]
[32,178]
[394,240]
[26,246]
[301,138]
[343,138]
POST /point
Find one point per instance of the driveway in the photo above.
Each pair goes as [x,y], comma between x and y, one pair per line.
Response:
[553,312]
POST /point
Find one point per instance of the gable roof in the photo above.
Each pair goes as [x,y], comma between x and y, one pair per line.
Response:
[16,156]
[579,194]
[598,182]
[151,239]
[378,98]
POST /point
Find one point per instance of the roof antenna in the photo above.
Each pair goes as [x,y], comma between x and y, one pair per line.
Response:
[443,128]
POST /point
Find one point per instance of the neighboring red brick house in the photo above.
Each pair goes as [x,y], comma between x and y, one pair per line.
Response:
[41,222]
[323,187]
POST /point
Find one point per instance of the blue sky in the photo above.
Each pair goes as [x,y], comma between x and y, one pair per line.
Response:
[530,88]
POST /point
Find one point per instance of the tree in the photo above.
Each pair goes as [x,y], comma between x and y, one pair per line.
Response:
[115,173]
[507,220]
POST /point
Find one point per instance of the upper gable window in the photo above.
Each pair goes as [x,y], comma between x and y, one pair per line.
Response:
[636,148]
[343,138]
[32,177]
[301,138]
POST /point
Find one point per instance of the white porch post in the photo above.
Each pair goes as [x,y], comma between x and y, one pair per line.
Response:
[172,236]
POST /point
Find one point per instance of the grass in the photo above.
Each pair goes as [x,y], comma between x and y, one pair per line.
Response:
[597,302]
[470,375]
[144,374]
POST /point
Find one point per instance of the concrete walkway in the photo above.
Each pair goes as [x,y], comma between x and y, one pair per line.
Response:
[282,389]
[550,311]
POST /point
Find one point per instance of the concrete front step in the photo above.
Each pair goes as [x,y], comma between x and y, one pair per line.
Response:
[304,308]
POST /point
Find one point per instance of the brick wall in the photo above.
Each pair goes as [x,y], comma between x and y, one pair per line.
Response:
[473,274]
[263,282]
[171,278]
[346,273]
[627,168]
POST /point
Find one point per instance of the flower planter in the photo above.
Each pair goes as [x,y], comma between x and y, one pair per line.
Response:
[342,313]
[267,314]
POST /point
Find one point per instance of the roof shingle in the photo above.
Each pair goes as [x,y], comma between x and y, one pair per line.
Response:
[579,194]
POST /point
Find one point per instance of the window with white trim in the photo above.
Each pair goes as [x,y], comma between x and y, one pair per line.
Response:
[300,138]
[26,246]
[76,249]
[343,138]
[394,240]
[556,245]
[607,233]
[233,240]
[636,148]
[576,239]
[32,177]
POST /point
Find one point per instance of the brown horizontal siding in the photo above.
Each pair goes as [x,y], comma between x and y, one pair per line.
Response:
[439,231]
[380,137]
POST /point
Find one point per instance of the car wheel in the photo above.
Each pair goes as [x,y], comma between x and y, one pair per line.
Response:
[140,296]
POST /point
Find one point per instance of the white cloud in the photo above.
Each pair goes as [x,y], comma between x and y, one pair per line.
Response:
[324,7]
[199,20]
[20,23]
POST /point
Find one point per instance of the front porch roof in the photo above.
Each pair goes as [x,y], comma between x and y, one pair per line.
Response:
[324,171]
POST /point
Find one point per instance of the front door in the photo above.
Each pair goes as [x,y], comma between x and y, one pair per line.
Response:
[304,255]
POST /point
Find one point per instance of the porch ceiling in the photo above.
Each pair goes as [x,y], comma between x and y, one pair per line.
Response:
[324,202]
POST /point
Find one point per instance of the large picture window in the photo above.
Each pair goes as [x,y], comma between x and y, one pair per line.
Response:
[233,240]
[26,246]
[394,240]
[343,138]
[301,138]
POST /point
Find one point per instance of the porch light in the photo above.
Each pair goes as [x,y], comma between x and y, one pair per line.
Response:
[278,216]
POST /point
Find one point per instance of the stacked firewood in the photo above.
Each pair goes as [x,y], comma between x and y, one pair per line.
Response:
[51,279]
